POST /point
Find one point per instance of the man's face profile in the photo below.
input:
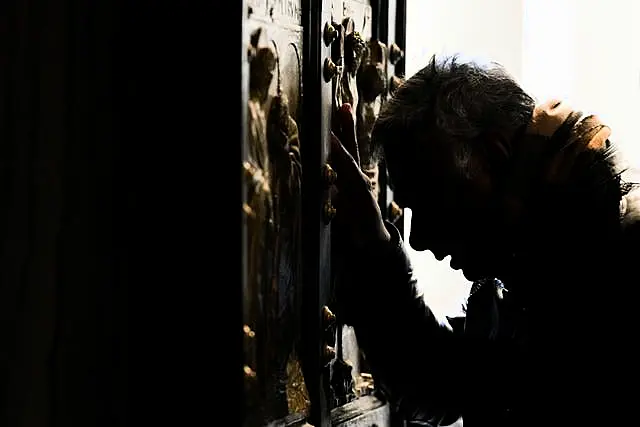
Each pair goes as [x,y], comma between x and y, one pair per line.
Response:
[451,215]
[447,136]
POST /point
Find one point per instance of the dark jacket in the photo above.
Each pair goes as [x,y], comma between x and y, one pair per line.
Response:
[562,355]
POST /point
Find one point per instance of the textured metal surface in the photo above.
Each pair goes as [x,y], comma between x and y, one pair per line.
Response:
[275,383]
[303,59]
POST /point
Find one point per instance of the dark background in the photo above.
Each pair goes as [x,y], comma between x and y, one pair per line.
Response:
[119,122]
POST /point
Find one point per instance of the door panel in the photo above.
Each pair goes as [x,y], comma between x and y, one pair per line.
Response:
[273,170]
[303,59]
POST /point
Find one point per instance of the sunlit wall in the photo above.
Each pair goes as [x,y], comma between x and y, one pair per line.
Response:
[588,52]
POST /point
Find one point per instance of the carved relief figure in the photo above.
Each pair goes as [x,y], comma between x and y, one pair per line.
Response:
[274,248]
[372,88]
[352,49]
[284,152]
[259,210]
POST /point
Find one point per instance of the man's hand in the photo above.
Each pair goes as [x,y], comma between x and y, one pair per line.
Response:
[358,211]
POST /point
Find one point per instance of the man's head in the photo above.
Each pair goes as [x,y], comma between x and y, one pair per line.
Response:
[446,135]
[461,155]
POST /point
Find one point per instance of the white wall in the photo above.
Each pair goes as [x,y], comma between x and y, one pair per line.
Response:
[547,50]
[588,52]
[444,289]
[491,29]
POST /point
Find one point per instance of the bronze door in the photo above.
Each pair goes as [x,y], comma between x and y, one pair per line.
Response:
[303,58]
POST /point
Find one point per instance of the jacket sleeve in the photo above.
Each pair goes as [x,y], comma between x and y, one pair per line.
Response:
[415,359]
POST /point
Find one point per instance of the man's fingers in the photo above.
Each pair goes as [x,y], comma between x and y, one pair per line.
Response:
[348,131]
[351,179]
[343,162]
[341,159]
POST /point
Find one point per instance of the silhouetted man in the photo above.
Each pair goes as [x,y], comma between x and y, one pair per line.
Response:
[529,194]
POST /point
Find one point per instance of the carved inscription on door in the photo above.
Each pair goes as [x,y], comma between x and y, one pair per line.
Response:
[274,384]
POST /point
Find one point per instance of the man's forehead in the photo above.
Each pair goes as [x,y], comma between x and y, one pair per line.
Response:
[410,187]
[422,167]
